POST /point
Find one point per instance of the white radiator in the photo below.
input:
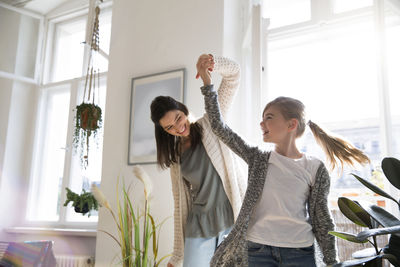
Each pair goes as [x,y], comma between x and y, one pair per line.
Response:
[74,261]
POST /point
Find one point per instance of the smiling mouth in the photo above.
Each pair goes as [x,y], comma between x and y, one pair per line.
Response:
[184,129]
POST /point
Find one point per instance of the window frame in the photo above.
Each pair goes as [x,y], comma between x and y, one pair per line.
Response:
[322,16]
[45,87]
[36,76]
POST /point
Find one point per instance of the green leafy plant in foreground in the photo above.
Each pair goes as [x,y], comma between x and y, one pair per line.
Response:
[138,234]
[376,219]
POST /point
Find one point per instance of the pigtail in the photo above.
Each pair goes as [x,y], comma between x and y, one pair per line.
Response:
[338,151]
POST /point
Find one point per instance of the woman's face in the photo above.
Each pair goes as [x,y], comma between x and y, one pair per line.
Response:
[175,122]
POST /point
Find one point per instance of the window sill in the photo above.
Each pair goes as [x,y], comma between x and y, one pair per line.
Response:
[51,231]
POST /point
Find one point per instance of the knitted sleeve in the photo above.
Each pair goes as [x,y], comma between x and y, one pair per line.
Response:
[321,217]
[230,72]
[177,254]
[220,129]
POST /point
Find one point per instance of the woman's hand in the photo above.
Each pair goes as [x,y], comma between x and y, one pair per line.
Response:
[170,265]
[205,65]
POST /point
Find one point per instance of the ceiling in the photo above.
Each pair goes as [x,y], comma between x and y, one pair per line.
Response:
[38,6]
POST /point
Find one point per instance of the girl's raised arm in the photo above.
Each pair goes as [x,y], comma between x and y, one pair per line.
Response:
[220,129]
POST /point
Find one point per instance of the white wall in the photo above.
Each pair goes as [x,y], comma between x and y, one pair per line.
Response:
[150,37]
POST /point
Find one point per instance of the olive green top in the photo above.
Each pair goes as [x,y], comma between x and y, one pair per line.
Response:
[211,211]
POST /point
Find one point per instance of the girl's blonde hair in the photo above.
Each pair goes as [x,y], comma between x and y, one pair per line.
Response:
[337,150]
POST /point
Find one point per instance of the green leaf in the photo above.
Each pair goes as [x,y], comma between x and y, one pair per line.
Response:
[383,217]
[354,212]
[379,231]
[374,188]
[391,169]
[163,258]
[347,236]
[155,246]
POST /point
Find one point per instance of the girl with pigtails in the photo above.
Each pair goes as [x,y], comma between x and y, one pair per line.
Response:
[285,208]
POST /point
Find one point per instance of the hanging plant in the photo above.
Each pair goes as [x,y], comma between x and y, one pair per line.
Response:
[88,121]
[83,203]
[88,118]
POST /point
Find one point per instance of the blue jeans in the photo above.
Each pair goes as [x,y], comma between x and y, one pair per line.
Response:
[199,251]
[269,256]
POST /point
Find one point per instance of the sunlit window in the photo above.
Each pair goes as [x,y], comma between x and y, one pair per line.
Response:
[57,165]
[393,56]
[286,12]
[333,69]
[340,6]
[44,204]
[68,49]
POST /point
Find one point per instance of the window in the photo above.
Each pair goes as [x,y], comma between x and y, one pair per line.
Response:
[57,165]
[286,12]
[340,6]
[19,52]
[334,69]
[54,125]
[69,37]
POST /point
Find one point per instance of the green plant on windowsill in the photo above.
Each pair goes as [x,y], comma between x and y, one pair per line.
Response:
[376,219]
[137,232]
[83,203]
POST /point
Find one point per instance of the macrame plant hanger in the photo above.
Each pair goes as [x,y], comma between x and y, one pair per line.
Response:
[88,114]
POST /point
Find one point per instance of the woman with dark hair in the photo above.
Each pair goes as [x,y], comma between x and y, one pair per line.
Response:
[207,185]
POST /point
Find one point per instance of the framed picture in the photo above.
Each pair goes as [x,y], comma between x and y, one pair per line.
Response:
[142,143]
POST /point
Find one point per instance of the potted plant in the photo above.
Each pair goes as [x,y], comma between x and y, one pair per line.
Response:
[83,203]
[88,121]
[376,219]
[138,234]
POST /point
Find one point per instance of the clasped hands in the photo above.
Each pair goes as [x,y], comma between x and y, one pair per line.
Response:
[205,65]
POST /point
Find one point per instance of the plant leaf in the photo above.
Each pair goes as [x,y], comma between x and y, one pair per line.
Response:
[364,253]
[354,212]
[383,217]
[111,236]
[374,188]
[155,246]
[379,231]
[347,236]
[391,169]
[163,258]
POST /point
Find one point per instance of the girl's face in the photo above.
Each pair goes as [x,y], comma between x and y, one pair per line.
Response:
[175,122]
[275,128]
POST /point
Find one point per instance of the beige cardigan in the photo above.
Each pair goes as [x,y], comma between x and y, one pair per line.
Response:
[223,159]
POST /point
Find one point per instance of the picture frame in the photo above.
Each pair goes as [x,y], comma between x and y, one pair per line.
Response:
[142,143]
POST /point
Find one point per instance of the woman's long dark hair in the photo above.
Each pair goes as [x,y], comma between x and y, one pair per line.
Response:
[168,145]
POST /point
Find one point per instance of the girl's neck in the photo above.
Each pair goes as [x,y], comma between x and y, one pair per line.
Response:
[289,151]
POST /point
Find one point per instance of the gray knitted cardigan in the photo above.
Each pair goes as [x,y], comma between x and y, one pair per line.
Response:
[233,250]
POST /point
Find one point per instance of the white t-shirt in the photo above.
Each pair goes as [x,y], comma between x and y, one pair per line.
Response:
[280,217]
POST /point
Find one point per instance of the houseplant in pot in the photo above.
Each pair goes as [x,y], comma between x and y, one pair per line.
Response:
[138,234]
[82,203]
[376,219]
[88,121]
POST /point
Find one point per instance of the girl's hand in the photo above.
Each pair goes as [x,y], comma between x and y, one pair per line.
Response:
[205,65]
